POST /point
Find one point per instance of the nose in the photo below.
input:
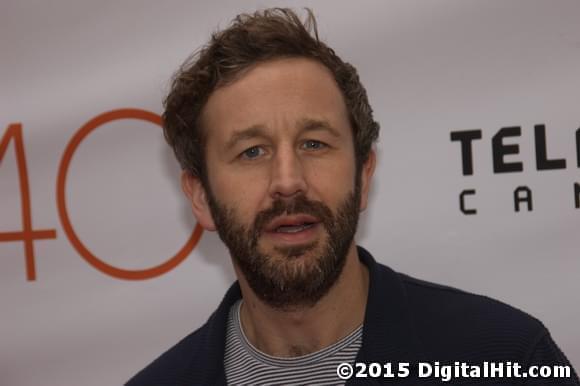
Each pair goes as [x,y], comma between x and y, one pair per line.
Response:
[287,175]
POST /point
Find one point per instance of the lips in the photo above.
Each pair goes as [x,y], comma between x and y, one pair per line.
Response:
[294,220]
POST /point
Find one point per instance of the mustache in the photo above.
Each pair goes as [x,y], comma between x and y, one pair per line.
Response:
[298,205]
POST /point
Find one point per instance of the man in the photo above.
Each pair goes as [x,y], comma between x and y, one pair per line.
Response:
[274,133]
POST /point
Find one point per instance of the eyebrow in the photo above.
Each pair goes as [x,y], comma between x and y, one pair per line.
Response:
[309,124]
[244,134]
[258,131]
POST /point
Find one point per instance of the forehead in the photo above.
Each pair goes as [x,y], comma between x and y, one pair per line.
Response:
[276,94]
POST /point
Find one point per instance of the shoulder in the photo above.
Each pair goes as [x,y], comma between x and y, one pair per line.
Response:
[452,322]
[456,306]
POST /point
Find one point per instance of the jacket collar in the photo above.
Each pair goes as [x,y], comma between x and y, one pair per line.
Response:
[389,334]
[389,331]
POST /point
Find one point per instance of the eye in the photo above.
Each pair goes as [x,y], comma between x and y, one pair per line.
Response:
[312,144]
[252,152]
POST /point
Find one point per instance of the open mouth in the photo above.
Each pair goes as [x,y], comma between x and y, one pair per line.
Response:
[294,228]
[292,223]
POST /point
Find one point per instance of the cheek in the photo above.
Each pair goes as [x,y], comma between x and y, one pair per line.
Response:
[242,193]
[331,181]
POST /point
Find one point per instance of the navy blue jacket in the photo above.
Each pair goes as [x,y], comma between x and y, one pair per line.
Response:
[406,320]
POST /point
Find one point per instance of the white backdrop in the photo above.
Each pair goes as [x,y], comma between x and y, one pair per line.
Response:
[430,68]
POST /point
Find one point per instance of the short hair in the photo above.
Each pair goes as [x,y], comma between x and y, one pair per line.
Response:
[251,39]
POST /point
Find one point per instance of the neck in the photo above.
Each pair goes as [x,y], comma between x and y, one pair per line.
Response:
[300,331]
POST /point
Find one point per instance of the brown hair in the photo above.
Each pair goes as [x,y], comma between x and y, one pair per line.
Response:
[250,39]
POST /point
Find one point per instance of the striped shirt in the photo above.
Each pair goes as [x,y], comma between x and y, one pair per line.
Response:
[246,365]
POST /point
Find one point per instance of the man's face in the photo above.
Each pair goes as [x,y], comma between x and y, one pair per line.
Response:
[282,191]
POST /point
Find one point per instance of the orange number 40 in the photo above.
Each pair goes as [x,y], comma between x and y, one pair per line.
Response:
[28,235]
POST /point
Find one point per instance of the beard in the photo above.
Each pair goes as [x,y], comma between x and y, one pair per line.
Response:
[290,277]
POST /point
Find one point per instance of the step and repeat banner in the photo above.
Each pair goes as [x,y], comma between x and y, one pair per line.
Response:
[102,265]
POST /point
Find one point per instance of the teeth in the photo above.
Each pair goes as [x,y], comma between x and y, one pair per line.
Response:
[293,228]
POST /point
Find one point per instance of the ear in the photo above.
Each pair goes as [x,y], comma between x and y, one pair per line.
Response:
[195,192]
[367,172]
